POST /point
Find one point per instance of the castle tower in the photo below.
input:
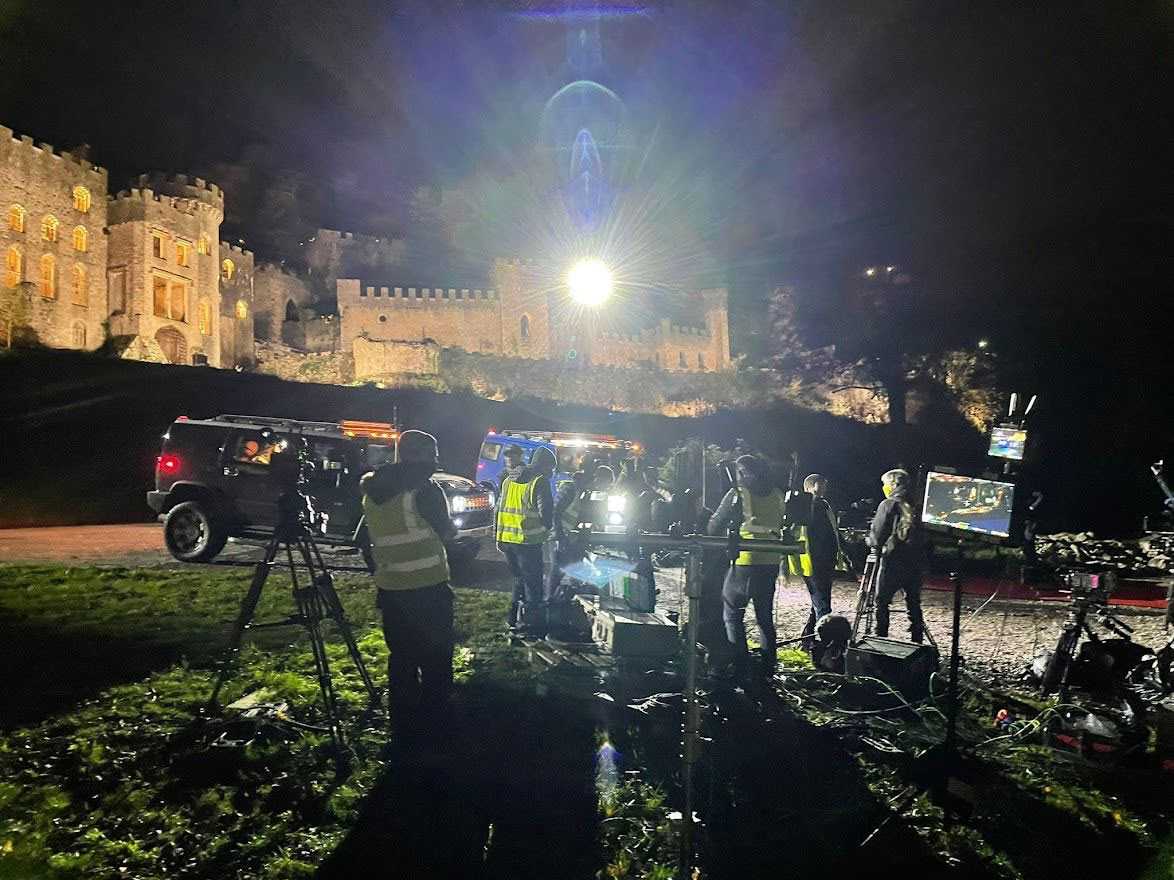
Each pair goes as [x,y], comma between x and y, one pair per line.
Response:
[525,310]
[52,246]
[165,268]
[715,303]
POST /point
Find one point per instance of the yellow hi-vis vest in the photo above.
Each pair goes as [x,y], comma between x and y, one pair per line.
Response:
[801,564]
[762,517]
[518,521]
[408,553]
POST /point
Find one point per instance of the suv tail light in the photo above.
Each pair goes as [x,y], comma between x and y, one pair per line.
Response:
[167,464]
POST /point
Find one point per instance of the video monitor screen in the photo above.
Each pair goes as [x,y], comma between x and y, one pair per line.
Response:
[1008,443]
[968,504]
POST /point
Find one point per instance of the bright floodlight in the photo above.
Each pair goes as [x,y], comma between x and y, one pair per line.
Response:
[590,282]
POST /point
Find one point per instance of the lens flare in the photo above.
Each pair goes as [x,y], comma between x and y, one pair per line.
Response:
[590,282]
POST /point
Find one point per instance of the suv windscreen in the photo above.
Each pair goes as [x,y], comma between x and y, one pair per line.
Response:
[378,454]
[252,449]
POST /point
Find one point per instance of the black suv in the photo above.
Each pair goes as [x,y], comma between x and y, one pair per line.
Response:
[222,477]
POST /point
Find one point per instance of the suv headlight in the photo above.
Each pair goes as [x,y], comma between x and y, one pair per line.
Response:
[616,503]
[459,504]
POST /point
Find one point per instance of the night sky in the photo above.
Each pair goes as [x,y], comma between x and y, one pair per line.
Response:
[1013,156]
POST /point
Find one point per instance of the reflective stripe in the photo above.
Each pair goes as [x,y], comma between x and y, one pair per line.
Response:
[414,565]
[518,520]
[762,516]
[404,538]
[408,552]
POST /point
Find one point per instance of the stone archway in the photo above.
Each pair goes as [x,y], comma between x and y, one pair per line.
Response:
[173,345]
[291,311]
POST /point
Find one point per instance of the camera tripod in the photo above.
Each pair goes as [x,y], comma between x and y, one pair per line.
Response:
[870,581]
[315,600]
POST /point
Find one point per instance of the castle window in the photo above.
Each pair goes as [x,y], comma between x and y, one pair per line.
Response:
[681,362]
[47,286]
[169,299]
[524,327]
[701,360]
[13,267]
[81,288]
[204,316]
[157,245]
[16,219]
[202,245]
[81,199]
[242,309]
[183,253]
[227,269]
[656,358]
[116,285]
[79,335]
[81,239]
[179,301]
[49,227]
[291,311]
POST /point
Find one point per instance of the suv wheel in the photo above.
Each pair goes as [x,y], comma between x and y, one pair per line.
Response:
[193,533]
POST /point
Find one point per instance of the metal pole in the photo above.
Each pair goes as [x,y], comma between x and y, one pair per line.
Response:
[693,585]
[955,658]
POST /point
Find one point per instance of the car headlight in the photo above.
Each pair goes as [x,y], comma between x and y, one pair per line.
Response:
[492,499]
[459,504]
[617,503]
[615,518]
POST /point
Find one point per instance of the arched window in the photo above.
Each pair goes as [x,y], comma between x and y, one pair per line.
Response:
[291,311]
[16,217]
[204,317]
[79,335]
[81,287]
[81,199]
[13,267]
[202,245]
[227,269]
[701,360]
[48,283]
[242,309]
[81,239]
[681,362]
[49,227]
[524,327]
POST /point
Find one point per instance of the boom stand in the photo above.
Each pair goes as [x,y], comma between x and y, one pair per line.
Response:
[695,546]
[315,601]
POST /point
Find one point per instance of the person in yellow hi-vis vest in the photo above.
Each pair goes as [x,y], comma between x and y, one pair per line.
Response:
[754,574]
[407,519]
[525,515]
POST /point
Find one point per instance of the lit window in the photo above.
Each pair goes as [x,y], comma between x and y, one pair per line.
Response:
[48,283]
[179,301]
[202,245]
[81,199]
[49,227]
[160,297]
[681,362]
[524,329]
[182,253]
[228,269]
[205,317]
[13,267]
[79,335]
[81,239]
[81,288]
[16,219]
[242,309]
[169,299]
[157,245]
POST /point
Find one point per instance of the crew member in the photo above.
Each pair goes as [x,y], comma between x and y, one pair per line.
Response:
[894,535]
[822,548]
[407,518]
[515,460]
[567,516]
[754,574]
[525,515]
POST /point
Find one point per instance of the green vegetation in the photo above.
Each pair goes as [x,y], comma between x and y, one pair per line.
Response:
[121,783]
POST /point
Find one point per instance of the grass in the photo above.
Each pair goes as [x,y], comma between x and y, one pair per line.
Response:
[114,780]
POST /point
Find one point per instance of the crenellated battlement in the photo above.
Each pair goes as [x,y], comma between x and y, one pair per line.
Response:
[10,142]
[235,250]
[372,295]
[183,187]
[278,269]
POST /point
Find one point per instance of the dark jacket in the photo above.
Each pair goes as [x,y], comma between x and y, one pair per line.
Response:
[389,480]
[544,497]
[894,531]
[822,540]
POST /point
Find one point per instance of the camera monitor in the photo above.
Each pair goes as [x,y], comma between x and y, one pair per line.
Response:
[1008,441]
[968,504]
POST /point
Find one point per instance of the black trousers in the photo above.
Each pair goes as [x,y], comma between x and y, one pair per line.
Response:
[525,561]
[745,584]
[418,629]
[896,579]
[567,552]
[819,588]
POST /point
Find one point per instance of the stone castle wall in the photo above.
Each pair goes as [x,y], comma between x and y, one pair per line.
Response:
[237,307]
[40,181]
[464,318]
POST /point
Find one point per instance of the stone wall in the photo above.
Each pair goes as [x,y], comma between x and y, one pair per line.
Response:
[40,182]
[274,289]
[312,333]
[237,306]
[277,359]
[383,360]
[462,318]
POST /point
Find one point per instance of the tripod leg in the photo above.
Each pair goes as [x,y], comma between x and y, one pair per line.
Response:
[335,611]
[248,609]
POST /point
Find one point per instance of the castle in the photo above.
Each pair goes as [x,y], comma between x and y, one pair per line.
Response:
[143,272]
